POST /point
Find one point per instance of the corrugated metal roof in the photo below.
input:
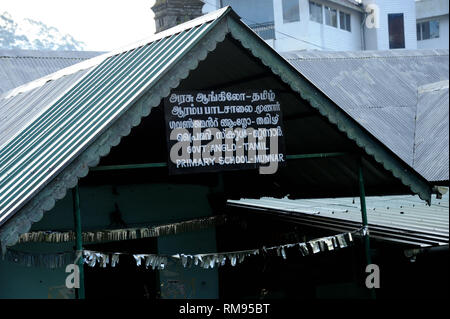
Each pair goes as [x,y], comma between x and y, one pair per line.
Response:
[431,138]
[18,67]
[379,89]
[405,213]
[42,160]
[60,130]
[33,103]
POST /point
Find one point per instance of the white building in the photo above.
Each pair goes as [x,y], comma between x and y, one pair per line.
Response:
[432,24]
[396,27]
[326,25]
[344,25]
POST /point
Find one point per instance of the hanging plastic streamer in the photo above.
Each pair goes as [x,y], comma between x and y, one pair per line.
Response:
[124,234]
[303,249]
[209,261]
[315,246]
[154,261]
[341,241]
[45,260]
[205,261]
[335,242]
[92,258]
[139,259]
[329,243]
[114,260]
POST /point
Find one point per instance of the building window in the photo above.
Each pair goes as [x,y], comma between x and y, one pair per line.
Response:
[291,11]
[428,30]
[396,31]
[344,20]
[315,12]
[331,17]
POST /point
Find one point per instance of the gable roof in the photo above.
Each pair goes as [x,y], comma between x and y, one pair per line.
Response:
[381,90]
[18,67]
[90,106]
[86,98]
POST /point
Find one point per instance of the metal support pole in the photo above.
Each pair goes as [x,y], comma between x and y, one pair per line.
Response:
[79,239]
[362,197]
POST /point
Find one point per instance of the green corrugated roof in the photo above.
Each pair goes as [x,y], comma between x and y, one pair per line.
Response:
[38,152]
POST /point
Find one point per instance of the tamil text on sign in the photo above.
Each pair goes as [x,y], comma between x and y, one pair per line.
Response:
[223,130]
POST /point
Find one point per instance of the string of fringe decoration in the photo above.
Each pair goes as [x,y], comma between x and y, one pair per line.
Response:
[44,260]
[204,261]
[212,260]
[124,234]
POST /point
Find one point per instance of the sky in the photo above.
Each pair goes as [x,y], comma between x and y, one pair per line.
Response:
[103,25]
